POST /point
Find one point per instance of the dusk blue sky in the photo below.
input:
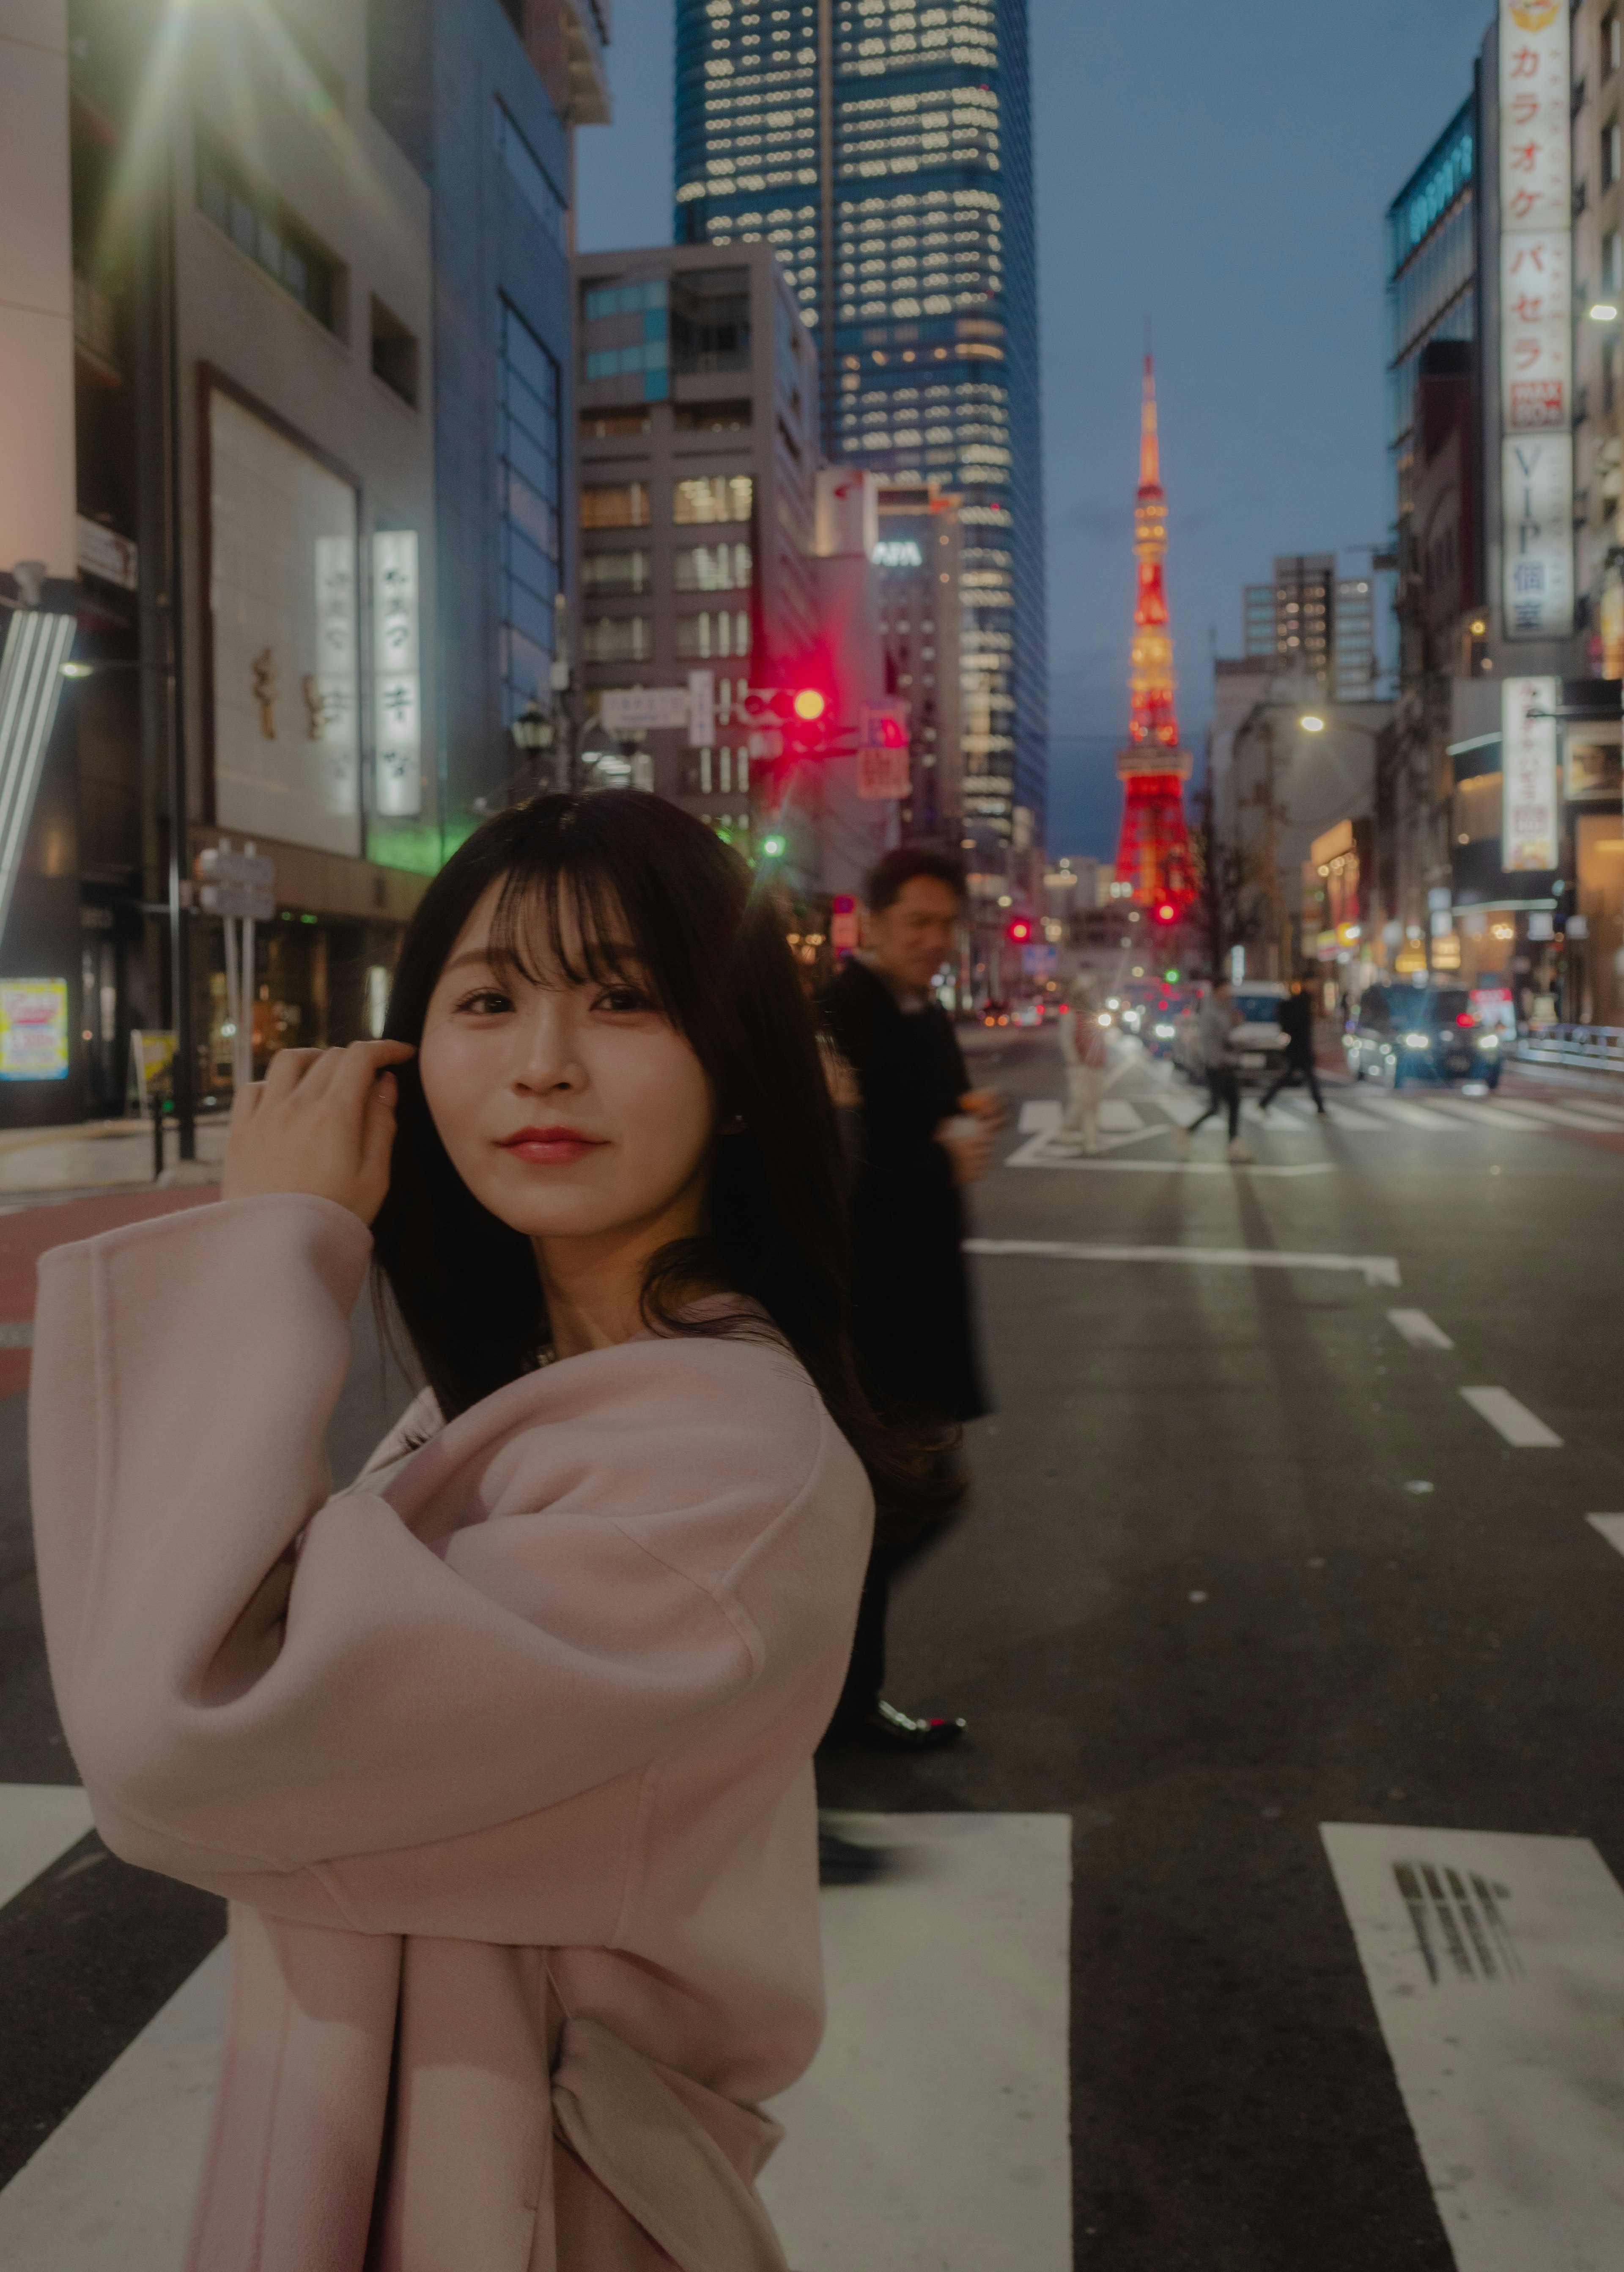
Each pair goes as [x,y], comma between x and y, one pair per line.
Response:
[1223,169]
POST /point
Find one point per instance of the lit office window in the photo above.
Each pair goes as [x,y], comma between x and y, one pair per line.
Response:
[528,443]
[713,568]
[614,504]
[714,497]
[617,638]
[720,632]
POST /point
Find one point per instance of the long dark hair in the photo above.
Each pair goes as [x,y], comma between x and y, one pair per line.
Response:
[587,875]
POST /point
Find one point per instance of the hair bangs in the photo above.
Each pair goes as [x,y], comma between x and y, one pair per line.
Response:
[563,910]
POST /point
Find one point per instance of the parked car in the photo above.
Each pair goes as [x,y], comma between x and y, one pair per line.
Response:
[1256,1045]
[1410,1033]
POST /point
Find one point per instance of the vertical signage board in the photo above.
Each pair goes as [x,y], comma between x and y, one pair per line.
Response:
[1528,778]
[1536,319]
[397,698]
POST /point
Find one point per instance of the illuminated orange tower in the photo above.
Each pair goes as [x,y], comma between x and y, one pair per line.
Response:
[1152,854]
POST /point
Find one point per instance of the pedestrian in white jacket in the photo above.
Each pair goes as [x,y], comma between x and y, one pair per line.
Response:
[1083,1046]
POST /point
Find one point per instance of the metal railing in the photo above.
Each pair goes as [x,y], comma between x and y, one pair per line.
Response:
[1598,1048]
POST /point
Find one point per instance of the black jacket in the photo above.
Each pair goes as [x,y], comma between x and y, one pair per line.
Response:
[915,1333]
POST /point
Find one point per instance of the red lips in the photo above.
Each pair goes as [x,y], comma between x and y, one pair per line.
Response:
[553,1147]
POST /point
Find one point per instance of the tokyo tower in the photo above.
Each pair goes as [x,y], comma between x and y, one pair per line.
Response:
[1152,853]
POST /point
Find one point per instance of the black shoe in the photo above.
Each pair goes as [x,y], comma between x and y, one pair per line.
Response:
[843,1862]
[895,1730]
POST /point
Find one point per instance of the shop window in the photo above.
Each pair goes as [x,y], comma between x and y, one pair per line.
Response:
[614,504]
[714,497]
[713,568]
[394,353]
[720,632]
[617,638]
[615,572]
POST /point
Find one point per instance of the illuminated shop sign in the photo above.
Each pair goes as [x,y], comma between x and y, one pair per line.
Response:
[1528,761]
[33,1030]
[397,684]
[1536,321]
[898,552]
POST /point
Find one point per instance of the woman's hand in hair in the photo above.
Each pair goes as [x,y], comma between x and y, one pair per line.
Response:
[322,1122]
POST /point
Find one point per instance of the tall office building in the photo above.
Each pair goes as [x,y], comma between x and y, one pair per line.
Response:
[886,152]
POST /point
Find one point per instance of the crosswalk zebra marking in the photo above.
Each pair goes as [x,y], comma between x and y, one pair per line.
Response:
[1512,1419]
[968,2094]
[1611,1527]
[1408,1115]
[1118,1115]
[1496,1964]
[1377,1269]
[39,1822]
[1419,1329]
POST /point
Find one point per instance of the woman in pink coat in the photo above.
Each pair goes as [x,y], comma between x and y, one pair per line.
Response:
[503,1755]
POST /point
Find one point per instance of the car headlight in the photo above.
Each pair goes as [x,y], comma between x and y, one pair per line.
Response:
[1417,1042]
[1163,1033]
[1488,1040]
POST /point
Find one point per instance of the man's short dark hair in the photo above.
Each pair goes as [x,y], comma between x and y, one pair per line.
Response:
[900,867]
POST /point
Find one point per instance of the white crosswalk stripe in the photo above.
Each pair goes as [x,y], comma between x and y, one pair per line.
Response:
[38,1824]
[1406,1115]
[968,2094]
[1118,1117]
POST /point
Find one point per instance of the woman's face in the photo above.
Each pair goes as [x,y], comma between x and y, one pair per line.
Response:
[569,1110]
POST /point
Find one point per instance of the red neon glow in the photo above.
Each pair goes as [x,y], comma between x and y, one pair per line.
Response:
[1152,857]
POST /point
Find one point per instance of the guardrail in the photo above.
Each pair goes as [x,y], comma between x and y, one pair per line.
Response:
[1598,1048]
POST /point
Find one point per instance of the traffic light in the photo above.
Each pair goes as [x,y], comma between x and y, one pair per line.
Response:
[1018,931]
[798,714]
[1166,911]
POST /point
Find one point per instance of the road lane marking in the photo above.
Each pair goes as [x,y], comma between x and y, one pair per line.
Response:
[1476,1116]
[1515,1423]
[1035,1152]
[1540,1116]
[1496,1964]
[111,2189]
[1407,1115]
[1419,1329]
[1611,1527]
[1377,1269]
[1040,1117]
[39,1822]
[969,2093]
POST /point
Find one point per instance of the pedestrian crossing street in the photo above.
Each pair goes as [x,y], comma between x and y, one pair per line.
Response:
[1161,1102]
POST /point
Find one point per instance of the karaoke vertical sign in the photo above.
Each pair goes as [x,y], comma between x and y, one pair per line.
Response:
[1536,319]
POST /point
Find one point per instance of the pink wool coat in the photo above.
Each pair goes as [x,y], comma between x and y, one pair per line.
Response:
[502,1756]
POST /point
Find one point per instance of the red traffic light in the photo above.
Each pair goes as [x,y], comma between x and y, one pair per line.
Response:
[1019,932]
[1165,912]
[809,703]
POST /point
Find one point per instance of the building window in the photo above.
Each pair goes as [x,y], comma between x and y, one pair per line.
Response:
[530,177]
[617,638]
[394,353]
[603,300]
[528,479]
[714,497]
[710,319]
[713,568]
[1609,375]
[724,632]
[642,355]
[1611,153]
[613,425]
[615,572]
[713,417]
[614,504]
[1611,277]
[260,225]
[1612,53]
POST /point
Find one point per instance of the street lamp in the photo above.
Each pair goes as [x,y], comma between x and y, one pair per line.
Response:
[1311,724]
[1604,312]
[533,728]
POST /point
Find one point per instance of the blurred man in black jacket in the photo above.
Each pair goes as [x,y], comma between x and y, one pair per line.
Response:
[1297,1024]
[926,1132]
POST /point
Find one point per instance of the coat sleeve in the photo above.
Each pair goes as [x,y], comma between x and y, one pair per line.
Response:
[260,1676]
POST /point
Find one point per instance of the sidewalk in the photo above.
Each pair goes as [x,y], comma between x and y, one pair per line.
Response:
[26,1232]
[93,1155]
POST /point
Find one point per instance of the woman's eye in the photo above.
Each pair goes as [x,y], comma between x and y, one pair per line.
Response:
[623,1000]
[485,1002]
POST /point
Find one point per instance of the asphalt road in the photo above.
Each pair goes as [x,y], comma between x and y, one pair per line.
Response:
[1240,1560]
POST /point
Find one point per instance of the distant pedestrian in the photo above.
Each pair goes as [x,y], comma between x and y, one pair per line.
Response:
[1297,1024]
[923,1134]
[1219,1016]
[1083,1046]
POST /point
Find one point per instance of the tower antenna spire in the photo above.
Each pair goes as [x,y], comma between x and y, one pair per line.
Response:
[1153,860]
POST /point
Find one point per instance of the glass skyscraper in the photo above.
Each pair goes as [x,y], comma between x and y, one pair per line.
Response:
[885,150]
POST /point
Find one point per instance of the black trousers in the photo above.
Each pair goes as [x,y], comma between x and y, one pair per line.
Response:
[1224,1084]
[1296,1064]
[864,1677]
